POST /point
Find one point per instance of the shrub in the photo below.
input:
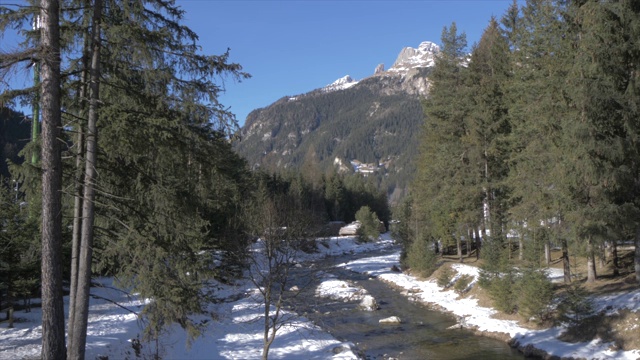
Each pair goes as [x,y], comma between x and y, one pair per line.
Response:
[535,295]
[502,292]
[369,224]
[445,277]
[462,284]
[575,305]
[422,258]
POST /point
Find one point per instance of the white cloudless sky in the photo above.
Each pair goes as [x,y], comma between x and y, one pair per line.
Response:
[292,47]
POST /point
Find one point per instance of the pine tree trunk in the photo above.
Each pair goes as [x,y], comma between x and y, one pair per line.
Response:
[547,253]
[566,265]
[521,244]
[614,258]
[77,201]
[459,246]
[53,335]
[81,308]
[636,257]
[469,240]
[478,242]
[591,262]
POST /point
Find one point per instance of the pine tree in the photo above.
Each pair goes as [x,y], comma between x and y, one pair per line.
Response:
[446,189]
[487,123]
[540,60]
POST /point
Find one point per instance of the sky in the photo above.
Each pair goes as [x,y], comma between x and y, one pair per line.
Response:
[290,47]
[294,46]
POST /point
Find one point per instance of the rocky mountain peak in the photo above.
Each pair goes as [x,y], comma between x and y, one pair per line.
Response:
[344,82]
[410,58]
[379,69]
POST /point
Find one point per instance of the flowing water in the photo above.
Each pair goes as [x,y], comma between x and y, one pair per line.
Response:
[422,334]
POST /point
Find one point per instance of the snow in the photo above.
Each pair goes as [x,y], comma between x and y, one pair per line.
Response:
[473,315]
[343,83]
[234,330]
[409,58]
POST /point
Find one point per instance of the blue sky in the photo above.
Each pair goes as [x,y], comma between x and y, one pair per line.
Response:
[292,47]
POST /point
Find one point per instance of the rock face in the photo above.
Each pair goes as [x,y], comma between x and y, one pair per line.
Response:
[379,69]
[410,58]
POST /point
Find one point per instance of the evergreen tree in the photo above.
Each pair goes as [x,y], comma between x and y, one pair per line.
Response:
[536,108]
[488,125]
[447,197]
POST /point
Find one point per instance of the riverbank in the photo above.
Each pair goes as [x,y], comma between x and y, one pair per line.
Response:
[232,328]
[543,343]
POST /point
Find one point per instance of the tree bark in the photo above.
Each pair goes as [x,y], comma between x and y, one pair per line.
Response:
[81,305]
[547,252]
[478,242]
[636,257]
[566,265]
[614,258]
[78,193]
[591,262]
[53,335]
[521,244]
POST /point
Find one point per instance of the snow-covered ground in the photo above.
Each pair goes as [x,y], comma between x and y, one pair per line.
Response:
[473,315]
[233,329]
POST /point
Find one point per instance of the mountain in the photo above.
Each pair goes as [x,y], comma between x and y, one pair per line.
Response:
[369,126]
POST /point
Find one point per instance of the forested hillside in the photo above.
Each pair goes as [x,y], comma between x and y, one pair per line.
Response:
[375,121]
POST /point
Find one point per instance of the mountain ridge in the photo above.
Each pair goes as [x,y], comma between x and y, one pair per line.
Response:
[369,126]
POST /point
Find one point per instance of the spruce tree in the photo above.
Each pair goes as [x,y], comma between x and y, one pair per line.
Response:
[540,61]
[446,193]
[487,123]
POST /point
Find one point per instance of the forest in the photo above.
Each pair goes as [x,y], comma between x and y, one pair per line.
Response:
[132,174]
[529,144]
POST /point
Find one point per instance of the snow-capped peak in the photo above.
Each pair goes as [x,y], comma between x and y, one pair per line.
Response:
[423,56]
[344,82]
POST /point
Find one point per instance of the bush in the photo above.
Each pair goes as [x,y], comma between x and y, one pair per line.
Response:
[462,284]
[369,224]
[502,292]
[535,295]
[421,258]
[575,305]
[445,277]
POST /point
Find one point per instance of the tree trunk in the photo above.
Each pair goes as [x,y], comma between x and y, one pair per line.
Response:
[78,193]
[547,252]
[636,257]
[469,241]
[81,308]
[614,258]
[566,265]
[53,336]
[521,244]
[478,242]
[459,246]
[591,262]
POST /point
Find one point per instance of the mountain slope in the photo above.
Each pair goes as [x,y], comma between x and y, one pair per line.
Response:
[373,121]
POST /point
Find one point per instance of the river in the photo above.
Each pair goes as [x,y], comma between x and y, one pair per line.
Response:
[422,334]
